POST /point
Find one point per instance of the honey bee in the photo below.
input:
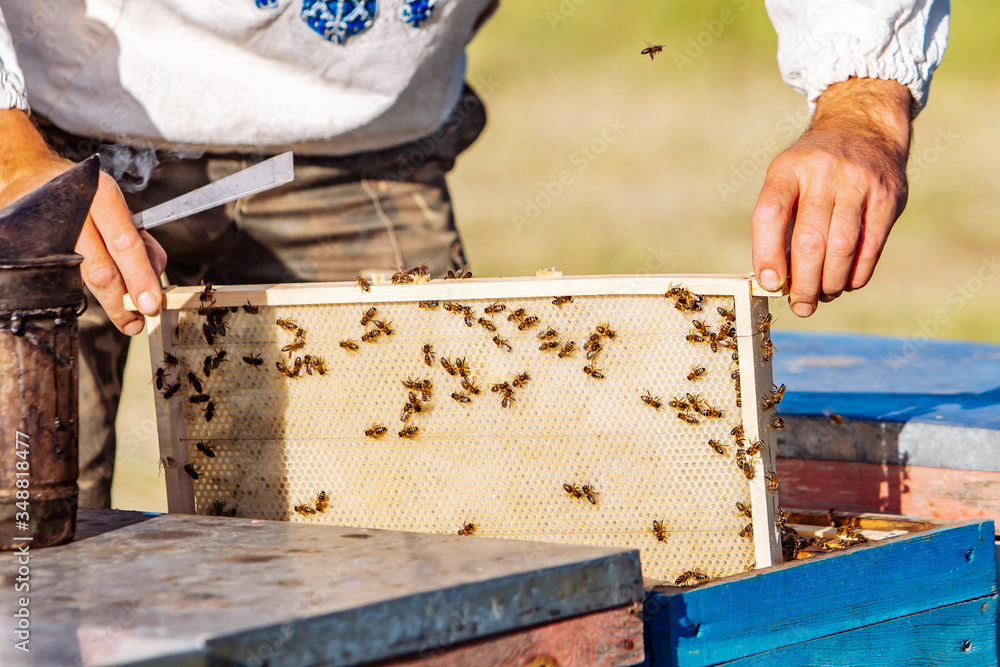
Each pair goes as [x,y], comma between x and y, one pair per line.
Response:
[528,323]
[460,397]
[495,308]
[192,470]
[591,494]
[467,529]
[727,314]
[169,359]
[470,320]
[605,330]
[376,431]
[749,471]
[401,278]
[754,448]
[305,509]
[205,449]
[502,388]
[777,422]
[428,351]
[461,275]
[690,419]
[250,308]
[448,367]
[767,404]
[652,401]
[711,412]
[486,324]
[765,324]
[282,368]
[287,325]
[385,327]
[694,338]
[349,345]
[650,49]
[409,432]
[737,432]
[521,380]
[659,530]
[694,400]
[726,330]
[678,404]
[210,411]
[413,384]
[161,378]
[429,305]
[573,490]
[516,315]
[322,501]
[593,348]
[407,411]
[368,316]
[772,480]
[768,349]
[468,386]
[562,301]
[548,334]
[371,336]
[744,509]
[209,336]
[549,345]
[292,347]
[253,360]
[460,366]
[696,372]
[593,372]
[747,531]
[502,344]
[207,294]
[700,327]
[691,577]
[363,284]
[713,342]
[171,391]
[507,401]
[453,307]
[200,398]
[717,447]
[778,393]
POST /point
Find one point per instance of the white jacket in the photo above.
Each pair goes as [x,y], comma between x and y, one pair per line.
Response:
[251,75]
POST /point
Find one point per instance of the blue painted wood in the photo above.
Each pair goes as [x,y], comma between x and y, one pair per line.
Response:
[889,379]
[809,599]
[960,635]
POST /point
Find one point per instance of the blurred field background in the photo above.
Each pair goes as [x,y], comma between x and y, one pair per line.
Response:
[555,75]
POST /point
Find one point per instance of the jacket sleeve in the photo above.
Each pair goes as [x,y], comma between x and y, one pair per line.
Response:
[12,91]
[823,42]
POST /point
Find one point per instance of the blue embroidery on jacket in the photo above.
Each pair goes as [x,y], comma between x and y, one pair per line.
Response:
[266,4]
[336,20]
[416,12]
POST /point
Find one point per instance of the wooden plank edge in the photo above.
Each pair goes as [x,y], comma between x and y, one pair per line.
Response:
[610,638]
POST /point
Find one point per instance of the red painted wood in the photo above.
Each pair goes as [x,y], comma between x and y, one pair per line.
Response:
[611,638]
[933,493]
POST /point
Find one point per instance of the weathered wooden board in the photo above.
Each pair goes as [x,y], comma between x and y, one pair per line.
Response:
[797,602]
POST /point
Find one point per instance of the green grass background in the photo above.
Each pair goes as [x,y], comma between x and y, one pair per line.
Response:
[560,70]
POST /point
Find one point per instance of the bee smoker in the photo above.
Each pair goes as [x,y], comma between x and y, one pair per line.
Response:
[41,297]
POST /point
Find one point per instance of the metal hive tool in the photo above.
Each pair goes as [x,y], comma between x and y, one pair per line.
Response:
[275,442]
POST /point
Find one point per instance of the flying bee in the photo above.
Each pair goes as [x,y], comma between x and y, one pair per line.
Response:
[567,349]
[170,391]
[768,349]
[169,359]
[502,344]
[528,323]
[659,530]
[744,509]
[772,480]
[410,432]
[717,447]
[205,449]
[777,422]
[428,354]
[467,529]
[363,284]
[371,336]
[250,308]
[521,380]
[322,501]
[650,49]
[562,301]
[207,294]
[694,338]
[161,378]
[460,397]
[516,315]
[200,398]
[754,448]
[548,334]
[445,364]
[605,330]
[690,419]
[192,470]
[696,372]
[652,401]
[747,531]
[368,316]
[593,372]
[727,314]
[549,345]
[591,494]
[486,324]
[376,431]
[287,325]
[210,411]
[573,490]
[429,305]
[305,509]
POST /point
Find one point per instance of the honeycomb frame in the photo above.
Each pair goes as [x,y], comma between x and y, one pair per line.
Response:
[278,441]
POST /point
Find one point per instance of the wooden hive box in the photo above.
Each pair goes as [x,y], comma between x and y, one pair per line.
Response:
[920,593]
[595,433]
